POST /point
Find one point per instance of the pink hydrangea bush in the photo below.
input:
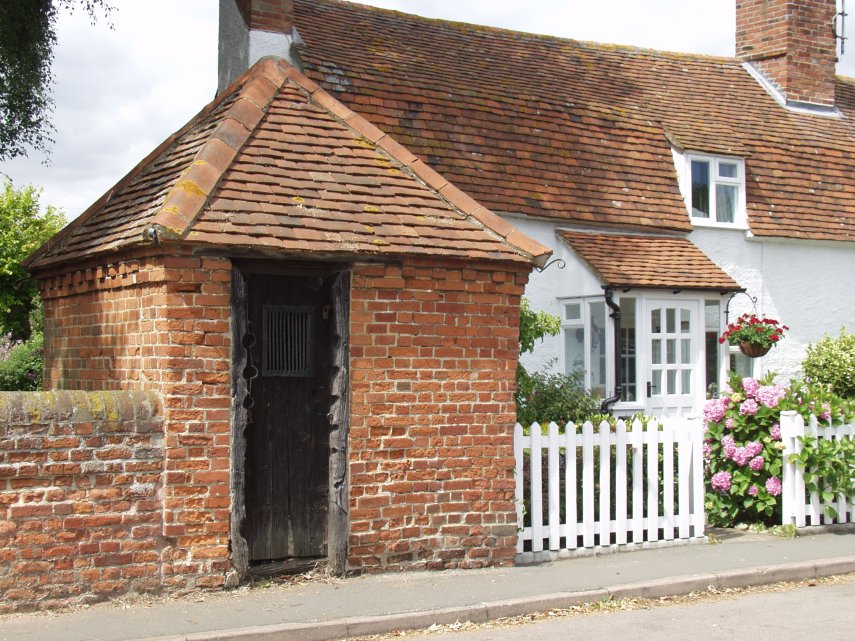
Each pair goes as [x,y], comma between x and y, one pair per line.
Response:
[743,449]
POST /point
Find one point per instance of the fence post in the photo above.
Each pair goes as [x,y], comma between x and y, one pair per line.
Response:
[518,488]
[793,493]
[696,429]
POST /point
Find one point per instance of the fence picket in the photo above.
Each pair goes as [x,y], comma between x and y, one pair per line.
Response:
[620,484]
[554,497]
[597,489]
[696,429]
[536,473]
[815,508]
[637,440]
[605,483]
[570,485]
[652,442]
[668,482]
[588,484]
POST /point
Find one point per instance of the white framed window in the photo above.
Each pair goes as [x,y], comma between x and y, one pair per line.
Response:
[588,338]
[585,342]
[715,190]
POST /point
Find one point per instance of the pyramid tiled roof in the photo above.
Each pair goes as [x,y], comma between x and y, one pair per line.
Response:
[655,262]
[578,131]
[278,166]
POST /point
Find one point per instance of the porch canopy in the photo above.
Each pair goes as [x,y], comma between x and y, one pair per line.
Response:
[648,261]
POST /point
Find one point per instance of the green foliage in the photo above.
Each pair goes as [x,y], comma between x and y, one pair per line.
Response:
[743,451]
[535,325]
[21,369]
[27,41]
[829,467]
[831,362]
[23,229]
[543,397]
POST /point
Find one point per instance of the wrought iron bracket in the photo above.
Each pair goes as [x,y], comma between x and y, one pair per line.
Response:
[559,261]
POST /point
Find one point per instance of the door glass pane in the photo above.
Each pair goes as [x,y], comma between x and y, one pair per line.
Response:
[656,387]
[712,319]
[725,203]
[656,321]
[670,320]
[685,321]
[700,189]
[598,348]
[687,381]
[671,351]
[672,381]
[741,364]
[685,351]
[574,349]
[657,351]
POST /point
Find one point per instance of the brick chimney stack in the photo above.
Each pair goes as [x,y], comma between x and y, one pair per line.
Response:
[791,43]
[250,30]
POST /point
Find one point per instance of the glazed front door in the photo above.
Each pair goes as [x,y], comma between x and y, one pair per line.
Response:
[673,355]
[287,431]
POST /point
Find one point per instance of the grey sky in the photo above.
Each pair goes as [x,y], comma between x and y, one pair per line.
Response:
[120,92]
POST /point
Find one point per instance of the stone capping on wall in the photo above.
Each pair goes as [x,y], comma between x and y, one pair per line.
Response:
[80,497]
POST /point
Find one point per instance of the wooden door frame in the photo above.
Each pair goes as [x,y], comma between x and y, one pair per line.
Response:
[339,415]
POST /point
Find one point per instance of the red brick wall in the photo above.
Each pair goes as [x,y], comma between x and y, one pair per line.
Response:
[267,15]
[792,43]
[159,323]
[80,508]
[433,359]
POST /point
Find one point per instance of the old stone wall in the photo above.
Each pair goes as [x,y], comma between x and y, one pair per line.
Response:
[80,496]
[160,323]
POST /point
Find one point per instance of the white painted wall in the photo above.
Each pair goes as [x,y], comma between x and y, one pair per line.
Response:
[807,285]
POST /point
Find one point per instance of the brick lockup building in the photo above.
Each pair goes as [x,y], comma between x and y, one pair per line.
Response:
[332,329]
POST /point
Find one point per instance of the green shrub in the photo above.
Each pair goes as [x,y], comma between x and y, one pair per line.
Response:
[21,364]
[831,362]
[544,396]
[743,450]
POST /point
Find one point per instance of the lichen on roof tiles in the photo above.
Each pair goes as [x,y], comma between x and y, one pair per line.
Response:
[283,168]
[556,128]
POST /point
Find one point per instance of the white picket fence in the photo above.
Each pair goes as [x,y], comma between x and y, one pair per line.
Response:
[800,507]
[653,475]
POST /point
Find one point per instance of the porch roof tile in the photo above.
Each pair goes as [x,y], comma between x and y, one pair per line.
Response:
[655,262]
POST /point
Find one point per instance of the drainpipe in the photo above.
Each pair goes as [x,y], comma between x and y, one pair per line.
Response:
[605,406]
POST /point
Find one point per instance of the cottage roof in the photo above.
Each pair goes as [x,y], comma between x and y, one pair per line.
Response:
[277,166]
[654,261]
[578,131]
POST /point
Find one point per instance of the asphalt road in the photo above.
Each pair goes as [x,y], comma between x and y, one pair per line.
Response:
[822,611]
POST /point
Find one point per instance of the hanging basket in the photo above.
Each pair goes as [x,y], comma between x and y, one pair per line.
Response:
[753,350]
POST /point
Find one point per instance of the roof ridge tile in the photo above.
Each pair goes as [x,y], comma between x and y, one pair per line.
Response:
[256,89]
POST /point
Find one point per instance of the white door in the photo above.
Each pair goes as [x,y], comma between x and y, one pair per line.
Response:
[672,341]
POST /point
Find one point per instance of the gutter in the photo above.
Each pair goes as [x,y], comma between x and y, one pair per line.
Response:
[605,406]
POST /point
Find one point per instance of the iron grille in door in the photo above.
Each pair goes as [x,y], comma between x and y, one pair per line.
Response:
[288,345]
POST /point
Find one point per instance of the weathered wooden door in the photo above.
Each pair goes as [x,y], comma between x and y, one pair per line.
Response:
[288,329]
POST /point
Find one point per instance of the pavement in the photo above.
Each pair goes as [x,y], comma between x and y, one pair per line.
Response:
[321,609]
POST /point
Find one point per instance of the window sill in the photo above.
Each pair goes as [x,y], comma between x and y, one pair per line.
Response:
[700,222]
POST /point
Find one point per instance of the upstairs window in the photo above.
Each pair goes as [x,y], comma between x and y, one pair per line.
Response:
[717,193]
